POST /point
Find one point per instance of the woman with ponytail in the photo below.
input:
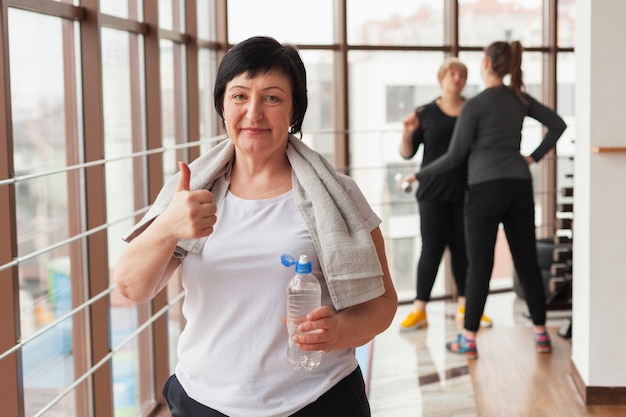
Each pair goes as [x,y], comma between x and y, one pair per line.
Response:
[487,135]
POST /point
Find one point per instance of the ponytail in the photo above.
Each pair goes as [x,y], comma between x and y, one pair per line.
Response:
[506,58]
[517,82]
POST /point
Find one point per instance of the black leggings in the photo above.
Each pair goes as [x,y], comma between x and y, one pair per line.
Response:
[441,224]
[346,399]
[511,203]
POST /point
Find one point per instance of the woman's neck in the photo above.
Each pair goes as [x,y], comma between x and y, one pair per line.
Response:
[252,179]
[450,104]
[450,98]
[492,80]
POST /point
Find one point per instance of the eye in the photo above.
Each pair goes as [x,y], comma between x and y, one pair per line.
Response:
[272,99]
[238,97]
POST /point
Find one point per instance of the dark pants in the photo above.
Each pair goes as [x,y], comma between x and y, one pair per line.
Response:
[346,399]
[441,224]
[511,203]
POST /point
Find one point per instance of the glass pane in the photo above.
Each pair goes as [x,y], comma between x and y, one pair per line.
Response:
[166,19]
[117,8]
[566,26]
[128,379]
[48,360]
[118,130]
[169,108]
[38,106]
[207,64]
[172,15]
[482,22]
[298,22]
[206,19]
[123,8]
[37,97]
[42,144]
[397,82]
[320,115]
[395,22]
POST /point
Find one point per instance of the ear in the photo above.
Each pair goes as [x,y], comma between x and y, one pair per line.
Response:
[486,64]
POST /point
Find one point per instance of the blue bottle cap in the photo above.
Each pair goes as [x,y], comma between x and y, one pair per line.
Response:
[303,265]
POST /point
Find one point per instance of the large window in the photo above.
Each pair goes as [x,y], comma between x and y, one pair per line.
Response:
[103,97]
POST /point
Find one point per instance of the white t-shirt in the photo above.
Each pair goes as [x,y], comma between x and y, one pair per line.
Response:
[233,350]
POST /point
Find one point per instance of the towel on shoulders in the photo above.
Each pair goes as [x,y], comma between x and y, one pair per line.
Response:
[343,244]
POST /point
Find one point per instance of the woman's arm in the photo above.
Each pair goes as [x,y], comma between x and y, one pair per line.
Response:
[409,127]
[551,120]
[356,325]
[146,264]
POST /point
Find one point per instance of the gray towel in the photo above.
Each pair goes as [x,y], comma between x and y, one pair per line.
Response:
[343,244]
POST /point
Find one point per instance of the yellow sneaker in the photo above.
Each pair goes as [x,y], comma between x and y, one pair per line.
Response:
[415,320]
[485,321]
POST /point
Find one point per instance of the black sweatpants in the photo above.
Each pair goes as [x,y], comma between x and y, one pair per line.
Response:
[346,399]
[510,202]
[441,224]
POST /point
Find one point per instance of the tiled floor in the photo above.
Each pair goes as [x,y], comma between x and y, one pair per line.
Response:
[412,375]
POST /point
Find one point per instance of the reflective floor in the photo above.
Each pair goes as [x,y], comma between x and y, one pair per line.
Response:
[411,374]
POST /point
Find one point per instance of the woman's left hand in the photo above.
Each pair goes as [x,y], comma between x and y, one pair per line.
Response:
[321,328]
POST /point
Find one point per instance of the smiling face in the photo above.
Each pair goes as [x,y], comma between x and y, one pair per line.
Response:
[258,112]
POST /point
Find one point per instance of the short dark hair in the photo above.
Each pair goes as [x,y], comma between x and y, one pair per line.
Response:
[261,54]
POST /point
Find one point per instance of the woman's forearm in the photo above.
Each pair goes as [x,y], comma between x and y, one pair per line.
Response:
[361,323]
[146,264]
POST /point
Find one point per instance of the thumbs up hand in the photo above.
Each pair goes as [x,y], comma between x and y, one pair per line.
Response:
[191,214]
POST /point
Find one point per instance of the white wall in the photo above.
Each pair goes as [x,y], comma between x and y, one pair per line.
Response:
[598,335]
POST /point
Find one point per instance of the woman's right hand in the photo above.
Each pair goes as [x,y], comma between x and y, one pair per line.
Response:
[410,123]
[402,182]
[190,214]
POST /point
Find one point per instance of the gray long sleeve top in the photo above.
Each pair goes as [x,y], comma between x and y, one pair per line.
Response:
[488,134]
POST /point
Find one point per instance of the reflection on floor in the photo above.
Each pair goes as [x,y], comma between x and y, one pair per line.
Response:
[412,375]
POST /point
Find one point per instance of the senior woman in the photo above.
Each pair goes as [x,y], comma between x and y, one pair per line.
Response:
[226,219]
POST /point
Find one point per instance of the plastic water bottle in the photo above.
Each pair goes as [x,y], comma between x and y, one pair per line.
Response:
[304,295]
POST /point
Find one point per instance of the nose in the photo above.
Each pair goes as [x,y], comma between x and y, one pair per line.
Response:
[255,109]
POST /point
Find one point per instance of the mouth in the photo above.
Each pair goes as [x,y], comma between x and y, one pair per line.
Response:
[254,130]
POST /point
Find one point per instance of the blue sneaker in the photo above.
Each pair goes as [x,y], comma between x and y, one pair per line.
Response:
[463,346]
